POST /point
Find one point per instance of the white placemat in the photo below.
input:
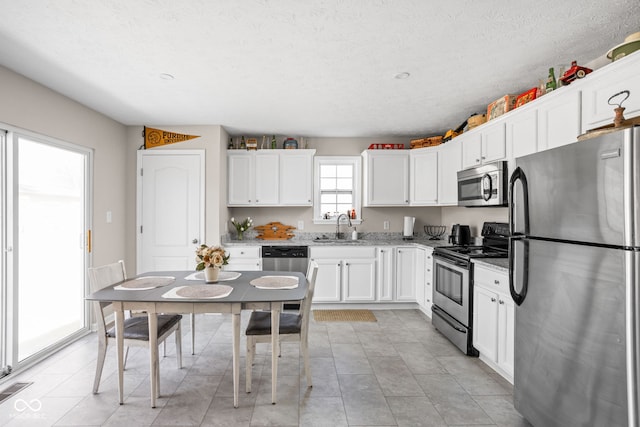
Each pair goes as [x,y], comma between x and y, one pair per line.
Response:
[145,283]
[275,282]
[199,292]
[222,275]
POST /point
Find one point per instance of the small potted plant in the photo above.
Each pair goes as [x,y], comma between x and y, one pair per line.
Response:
[211,259]
[242,226]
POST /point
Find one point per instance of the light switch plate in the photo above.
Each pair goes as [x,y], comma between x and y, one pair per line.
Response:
[386,224]
[300,225]
[109,217]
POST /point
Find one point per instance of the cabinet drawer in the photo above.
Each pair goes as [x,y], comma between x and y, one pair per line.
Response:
[490,278]
[243,252]
[342,252]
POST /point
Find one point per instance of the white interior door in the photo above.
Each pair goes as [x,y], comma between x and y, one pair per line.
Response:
[170,209]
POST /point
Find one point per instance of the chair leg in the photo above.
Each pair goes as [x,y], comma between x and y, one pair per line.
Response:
[304,346]
[102,353]
[251,349]
[178,334]
[192,317]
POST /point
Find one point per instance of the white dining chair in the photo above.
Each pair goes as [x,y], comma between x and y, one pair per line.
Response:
[294,326]
[136,328]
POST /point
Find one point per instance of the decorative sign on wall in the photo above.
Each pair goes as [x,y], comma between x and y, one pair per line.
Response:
[157,138]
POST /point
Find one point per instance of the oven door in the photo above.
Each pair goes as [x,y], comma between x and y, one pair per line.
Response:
[451,291]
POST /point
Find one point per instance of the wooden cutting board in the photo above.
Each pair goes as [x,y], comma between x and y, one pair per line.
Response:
[274,231]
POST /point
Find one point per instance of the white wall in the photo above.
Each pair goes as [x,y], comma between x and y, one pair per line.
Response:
[209,139]
[33,107]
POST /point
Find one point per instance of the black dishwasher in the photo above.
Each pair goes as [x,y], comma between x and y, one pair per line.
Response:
[285,258]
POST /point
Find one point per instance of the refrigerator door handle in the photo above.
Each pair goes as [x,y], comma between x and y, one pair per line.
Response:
[518,175]
[518,297]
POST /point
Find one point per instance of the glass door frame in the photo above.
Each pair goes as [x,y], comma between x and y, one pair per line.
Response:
[9,279]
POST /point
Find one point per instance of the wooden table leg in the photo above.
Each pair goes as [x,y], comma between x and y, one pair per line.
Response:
[153,356]
[275,348]
[119,318]
[235,325]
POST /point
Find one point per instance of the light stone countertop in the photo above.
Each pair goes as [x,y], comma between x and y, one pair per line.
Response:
[368,239]
[500,264]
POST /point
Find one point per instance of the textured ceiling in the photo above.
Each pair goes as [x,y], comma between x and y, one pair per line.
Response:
[305,68]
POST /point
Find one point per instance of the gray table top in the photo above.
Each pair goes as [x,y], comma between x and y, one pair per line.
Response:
[243,291]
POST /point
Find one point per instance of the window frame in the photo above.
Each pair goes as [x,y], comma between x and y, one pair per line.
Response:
[356,162]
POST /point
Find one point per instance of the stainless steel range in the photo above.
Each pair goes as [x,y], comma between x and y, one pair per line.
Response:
[453,278]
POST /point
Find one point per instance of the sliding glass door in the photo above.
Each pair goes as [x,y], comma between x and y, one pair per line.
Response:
[47,230]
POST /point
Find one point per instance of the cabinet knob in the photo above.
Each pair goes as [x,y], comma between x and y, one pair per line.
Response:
[194,241]
[257,200]
[477,160]
[501,302]
[241,253]
[483,157]
[493,300]
[428,269]
[496,281]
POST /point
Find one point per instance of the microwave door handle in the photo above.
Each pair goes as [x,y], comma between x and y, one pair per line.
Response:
[518,175]
[518,297]
[486,184]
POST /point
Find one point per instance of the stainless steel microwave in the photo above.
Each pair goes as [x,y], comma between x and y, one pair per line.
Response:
[483,186]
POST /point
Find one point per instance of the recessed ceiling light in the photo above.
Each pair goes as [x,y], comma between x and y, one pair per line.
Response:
[166,76]
[402,76]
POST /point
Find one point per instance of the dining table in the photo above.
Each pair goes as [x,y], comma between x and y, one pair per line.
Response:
[187,293]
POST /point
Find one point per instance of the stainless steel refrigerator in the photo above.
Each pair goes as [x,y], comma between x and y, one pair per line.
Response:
[574,265]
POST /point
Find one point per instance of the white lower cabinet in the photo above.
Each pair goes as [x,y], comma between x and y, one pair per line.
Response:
[385,273]
[408,272]
[424,288]
[344,273]
[493,319]
[246,258]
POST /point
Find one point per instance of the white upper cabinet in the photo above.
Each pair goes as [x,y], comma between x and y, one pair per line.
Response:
[270,177]
[386,177]
[424,177]
[484,145]
[522,132]
[241,179]
[296,178]
[449,163]
[558,118]
[267,178]
[600,85]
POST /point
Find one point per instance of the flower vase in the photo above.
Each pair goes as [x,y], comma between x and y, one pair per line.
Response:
[211,274]
[240,235]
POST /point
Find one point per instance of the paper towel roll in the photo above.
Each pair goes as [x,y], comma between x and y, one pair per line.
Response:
[409,222]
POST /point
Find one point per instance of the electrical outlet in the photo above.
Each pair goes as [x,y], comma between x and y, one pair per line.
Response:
[386,224]
[300,225]
[109,217]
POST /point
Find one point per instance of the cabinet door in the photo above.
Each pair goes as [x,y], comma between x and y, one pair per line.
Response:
[385,274]
[296,178]
[424,177]
[358,278]
[328,280]
[387,178]
[449,163]
[241,179]
[428,282]
[608,81]
[485,322]
[267,178]
[493,143]
[471,149]
[559,120]
[506,333]
[522,133]
[405,274]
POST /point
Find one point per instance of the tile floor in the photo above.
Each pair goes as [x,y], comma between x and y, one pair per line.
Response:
[398,371]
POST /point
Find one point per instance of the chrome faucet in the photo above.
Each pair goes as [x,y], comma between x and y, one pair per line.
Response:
[338,224]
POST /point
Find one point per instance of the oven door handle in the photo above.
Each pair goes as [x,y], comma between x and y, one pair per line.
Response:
[446,260]
[437,309]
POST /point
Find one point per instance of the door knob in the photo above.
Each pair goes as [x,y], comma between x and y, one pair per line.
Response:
[194,241]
